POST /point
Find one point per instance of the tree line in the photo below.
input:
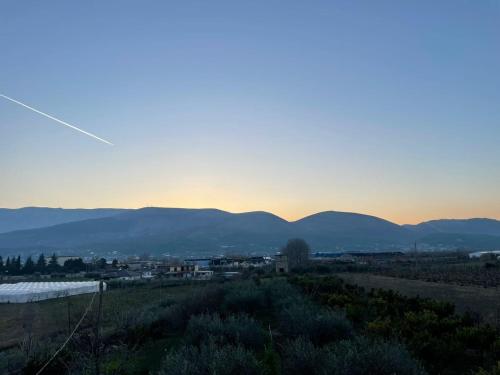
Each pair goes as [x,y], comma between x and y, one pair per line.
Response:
[14,266]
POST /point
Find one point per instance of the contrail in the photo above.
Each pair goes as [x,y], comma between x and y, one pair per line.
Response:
[56,119]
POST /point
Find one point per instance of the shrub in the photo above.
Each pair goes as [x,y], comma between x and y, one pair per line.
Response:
[11,361]
[338,300]
[201,327]
[244,297]
[242,329]
[175,317]
[319,325]
[203,300]
[238,330]
[362,356]
[300,356]
[279,293]
[210,359]
[495,370]
[172,318]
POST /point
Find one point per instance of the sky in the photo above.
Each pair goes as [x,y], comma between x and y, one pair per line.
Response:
[388,108]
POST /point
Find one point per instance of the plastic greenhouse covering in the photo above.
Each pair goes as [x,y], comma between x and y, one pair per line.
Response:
[38,291]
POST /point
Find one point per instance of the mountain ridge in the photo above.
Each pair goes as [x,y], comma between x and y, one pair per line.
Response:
[209,231]
[31,217]
[466,226]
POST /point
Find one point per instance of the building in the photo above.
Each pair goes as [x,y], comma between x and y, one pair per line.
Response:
[147,274]
[127,275]
[202,263]
[281,263]
[184,271]
[479,254]
[138,265]
[239,261]
[178,271]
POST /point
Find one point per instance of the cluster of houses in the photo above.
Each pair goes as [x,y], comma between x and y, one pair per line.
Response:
[147,270]
[135,268]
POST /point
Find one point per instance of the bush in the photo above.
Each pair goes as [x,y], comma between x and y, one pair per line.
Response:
[364,356]
[495,370]
[244,297]
[203,300]
[11,361]
[300,356]
[279,294]
[175,317]
[237,330]
[317,324]
[210,359]
[244,330]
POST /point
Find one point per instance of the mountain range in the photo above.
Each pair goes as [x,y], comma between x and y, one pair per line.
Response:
[178,231]
[38,217]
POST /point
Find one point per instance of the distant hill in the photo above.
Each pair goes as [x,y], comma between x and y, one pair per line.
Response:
[178,231]
[461,241]
[38,217]
[344,229]
[206,231]
[463,226]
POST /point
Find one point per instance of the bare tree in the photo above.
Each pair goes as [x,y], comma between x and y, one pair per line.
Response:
[297,252]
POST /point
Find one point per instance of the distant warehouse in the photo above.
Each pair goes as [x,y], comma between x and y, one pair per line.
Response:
[39,291]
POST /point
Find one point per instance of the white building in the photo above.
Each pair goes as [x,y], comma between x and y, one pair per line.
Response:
[478,254]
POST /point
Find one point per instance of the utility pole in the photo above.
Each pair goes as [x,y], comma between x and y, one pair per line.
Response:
[416,257]
[97,331]
[69,315]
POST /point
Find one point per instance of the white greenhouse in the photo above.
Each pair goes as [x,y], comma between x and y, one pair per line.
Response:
[38,291]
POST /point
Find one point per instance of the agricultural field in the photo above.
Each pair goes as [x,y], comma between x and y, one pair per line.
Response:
[21,321]
[262,324]
[484,274]
[452,267]
[479,300]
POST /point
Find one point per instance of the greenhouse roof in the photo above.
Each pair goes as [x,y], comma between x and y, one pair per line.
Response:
[38,291]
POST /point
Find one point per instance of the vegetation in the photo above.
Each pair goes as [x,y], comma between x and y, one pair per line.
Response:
[484,272]
[254,326]
[297,252]
[446,343]
[261,324]
[14,267]
[450,267]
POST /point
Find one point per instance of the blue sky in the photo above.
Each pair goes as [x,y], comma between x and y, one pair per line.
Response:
[388,108]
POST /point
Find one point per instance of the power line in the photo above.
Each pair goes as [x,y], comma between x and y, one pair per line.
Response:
[70,336]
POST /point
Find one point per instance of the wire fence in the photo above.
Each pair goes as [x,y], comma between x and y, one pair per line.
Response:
[70,335]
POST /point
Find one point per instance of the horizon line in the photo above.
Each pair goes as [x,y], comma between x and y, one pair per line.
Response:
[251,211]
